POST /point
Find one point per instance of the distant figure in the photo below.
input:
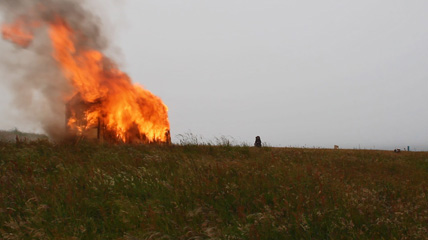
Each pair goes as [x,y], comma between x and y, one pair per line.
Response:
[336,147]
[258,142]
[397,150]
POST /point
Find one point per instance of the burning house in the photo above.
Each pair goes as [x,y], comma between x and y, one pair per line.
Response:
[79,124]
[104,103]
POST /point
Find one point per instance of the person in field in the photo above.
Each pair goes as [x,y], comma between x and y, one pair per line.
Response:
[258,142]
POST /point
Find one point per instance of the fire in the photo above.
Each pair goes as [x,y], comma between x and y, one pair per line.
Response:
[20,32]
[104,97]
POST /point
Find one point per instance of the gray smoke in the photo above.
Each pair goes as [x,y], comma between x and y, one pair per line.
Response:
[39,88]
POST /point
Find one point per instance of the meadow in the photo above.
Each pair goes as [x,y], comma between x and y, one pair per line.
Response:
[86,190]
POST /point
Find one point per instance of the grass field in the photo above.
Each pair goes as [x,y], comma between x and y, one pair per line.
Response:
[101,191]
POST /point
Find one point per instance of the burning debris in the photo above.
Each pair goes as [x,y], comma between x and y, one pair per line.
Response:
[103,102]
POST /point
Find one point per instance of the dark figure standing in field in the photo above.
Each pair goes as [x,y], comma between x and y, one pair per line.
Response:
[258,142]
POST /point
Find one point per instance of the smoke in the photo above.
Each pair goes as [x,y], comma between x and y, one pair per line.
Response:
[31,74]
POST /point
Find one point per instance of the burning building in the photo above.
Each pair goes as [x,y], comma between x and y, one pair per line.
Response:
[82,119]
[104,103]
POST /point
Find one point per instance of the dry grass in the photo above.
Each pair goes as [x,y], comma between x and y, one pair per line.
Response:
[89,191]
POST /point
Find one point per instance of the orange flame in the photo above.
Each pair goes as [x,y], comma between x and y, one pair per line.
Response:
[19,32]
[126,110]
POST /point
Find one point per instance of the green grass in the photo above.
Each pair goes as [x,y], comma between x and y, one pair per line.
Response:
[94,191]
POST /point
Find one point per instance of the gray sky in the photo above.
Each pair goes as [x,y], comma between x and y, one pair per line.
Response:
[297,73]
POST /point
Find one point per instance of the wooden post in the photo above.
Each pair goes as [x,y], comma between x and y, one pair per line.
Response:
[99,129]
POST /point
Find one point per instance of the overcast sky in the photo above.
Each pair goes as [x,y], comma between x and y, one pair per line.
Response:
[297,73]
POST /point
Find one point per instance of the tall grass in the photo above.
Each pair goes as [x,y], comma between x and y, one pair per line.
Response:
[101,191]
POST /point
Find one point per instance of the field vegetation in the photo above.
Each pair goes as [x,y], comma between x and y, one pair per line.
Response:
[86,190]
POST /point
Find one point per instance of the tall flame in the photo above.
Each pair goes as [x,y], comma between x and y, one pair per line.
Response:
[126,110]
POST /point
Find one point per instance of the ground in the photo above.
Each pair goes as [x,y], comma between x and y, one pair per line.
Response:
[99,191]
